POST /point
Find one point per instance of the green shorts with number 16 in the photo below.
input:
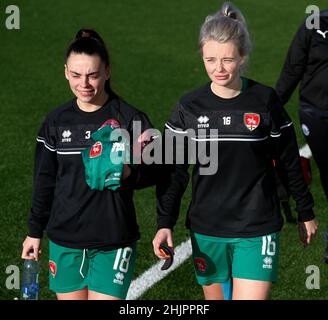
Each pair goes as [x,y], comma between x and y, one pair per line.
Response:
[218,259]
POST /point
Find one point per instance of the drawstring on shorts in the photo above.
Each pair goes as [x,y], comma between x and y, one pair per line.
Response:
[84,250]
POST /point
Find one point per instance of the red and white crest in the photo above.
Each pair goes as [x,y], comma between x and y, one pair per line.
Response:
[200,264]
[96,150]
[251,120]
[53,268]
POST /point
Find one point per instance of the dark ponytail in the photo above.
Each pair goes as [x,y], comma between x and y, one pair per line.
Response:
[89,42]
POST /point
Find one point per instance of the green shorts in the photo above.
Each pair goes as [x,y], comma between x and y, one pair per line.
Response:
[107,272]
[218,259]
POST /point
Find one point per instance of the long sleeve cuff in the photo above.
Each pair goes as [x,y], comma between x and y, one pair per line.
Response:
[37,224]
[306,215]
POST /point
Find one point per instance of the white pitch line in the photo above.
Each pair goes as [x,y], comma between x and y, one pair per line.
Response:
[154,274]
[182,252]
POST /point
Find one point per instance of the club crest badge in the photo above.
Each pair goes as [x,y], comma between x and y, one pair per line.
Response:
[251,121]
[53,268]
[96,150]
[200,264]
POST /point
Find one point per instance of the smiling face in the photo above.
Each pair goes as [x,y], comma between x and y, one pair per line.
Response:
[222,62]
[87,76]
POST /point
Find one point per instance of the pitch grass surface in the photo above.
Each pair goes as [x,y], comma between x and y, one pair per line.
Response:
[153,46]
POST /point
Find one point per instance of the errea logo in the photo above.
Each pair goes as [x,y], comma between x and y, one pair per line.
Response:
[202,122]
[267,263]
[119,278]
[66,136]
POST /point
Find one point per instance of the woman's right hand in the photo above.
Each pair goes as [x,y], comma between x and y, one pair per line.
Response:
[162,235]
[31,244]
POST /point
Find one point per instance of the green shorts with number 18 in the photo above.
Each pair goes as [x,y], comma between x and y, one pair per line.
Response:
[108,272]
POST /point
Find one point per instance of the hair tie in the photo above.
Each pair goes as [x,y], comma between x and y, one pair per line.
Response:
[85,34]
[230,14]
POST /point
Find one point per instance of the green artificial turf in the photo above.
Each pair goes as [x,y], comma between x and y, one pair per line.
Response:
[155,59]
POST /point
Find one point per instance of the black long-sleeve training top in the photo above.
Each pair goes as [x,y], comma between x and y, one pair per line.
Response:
[307,63]
[72,214]
[246,132]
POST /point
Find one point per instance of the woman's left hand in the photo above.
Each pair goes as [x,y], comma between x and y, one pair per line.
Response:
[307,230]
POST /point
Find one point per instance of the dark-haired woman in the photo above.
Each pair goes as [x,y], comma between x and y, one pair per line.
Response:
[92,234]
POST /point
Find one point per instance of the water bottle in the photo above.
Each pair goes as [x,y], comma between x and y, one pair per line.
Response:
[30,280]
